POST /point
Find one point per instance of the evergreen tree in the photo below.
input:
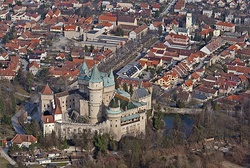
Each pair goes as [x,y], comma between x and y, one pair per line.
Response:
[125,87]
[86,49]
[116,83]
[131,89]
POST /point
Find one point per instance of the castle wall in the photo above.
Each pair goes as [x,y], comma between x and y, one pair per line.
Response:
[48,128]
[67,129]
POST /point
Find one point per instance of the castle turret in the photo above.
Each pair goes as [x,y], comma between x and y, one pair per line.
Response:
[46,97]
[83,78]
[95,96]
[114,116]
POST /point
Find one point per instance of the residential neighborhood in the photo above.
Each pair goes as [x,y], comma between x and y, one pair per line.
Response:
[83,82]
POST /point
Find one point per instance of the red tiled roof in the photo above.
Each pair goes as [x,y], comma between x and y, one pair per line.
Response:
[47,90]
[19,138]
[33,63]
[107,18]
[225,24]
[48,119]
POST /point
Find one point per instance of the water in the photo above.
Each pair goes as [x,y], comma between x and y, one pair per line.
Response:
[186,124]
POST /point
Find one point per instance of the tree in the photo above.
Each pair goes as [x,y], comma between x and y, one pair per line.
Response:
[131,89]
[119,32]
[86,49]
[116,83]
[101,143]
[91,48]
[160,30]
[125,87]
[180,104]
[157,120]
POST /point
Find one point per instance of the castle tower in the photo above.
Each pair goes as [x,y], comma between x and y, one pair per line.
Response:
[114,116]
[46,97]
[95,96]
[189,20]
[83,78]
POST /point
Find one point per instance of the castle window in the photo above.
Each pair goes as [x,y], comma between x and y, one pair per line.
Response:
[115,120]
[63,102]
[69,100]
[110,125]
[73,99]
[142,118]
[115,125]
[44,105]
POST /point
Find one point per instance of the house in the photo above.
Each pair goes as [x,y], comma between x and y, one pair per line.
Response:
[4,56]
[180,5]
[225,26]
[156,25]
[221,3]
[7,74]
[144,6]
[43,161]
[71,31]
[33,67]
[4,14]
[177,41]
[127,20]
[208,13]
[23,140]
[108,18]
[183,96]
[60,56]
[212,46]
[187,85]
[156,7]
[138,32]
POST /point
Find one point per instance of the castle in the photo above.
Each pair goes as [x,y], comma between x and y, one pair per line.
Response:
[95,106]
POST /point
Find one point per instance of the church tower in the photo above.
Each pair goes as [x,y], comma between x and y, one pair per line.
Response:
[46,97]
[83,78]
[95,96]
[189,20]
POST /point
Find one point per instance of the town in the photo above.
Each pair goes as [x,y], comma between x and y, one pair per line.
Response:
[125,83]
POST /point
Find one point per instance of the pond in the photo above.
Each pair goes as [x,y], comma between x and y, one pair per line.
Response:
[187,123]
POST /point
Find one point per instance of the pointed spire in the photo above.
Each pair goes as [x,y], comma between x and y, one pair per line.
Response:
[111,74]
[95,75]
[84,69]
[47,90]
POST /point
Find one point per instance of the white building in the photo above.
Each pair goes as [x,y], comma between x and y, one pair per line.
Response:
[189,21]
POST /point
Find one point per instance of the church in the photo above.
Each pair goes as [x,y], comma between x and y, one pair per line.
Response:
[95,106]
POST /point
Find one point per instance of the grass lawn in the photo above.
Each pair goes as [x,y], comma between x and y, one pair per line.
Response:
[3,163]
[61,164]
[37,166]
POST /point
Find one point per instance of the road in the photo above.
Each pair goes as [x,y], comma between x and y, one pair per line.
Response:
[126,53]
[5,156]
[170,5]
[18,128]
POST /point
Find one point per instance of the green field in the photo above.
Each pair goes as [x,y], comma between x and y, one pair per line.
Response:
[3,163]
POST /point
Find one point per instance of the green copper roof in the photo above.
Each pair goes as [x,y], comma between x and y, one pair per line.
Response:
[130,117]
[84,69]
[95,75]
[111,75]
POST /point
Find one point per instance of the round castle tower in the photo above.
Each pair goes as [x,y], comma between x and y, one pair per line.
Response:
[95,96]
[114,116]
